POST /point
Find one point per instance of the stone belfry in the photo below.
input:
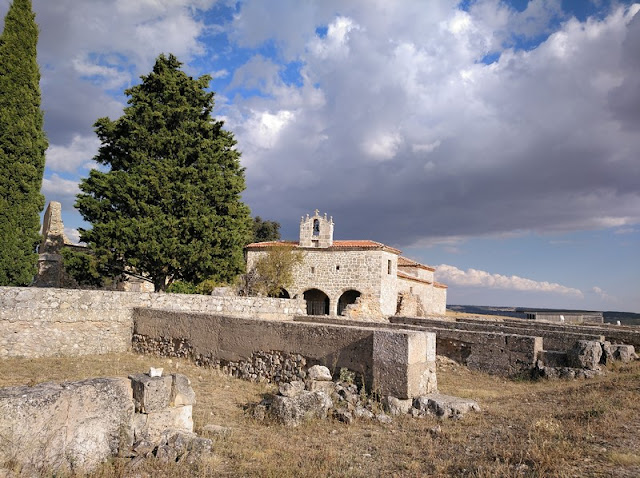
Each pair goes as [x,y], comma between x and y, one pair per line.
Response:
[316,231]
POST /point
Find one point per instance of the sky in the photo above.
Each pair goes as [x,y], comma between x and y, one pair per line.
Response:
[498,141]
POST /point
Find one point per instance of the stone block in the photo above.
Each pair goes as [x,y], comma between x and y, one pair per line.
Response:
[151,394]
[317,385]
[395,406]
[445,406]
[151,426]
[319,373]
[181,391]
[624,353]
[292,411]
[585,354]
[59,426]
[400,367]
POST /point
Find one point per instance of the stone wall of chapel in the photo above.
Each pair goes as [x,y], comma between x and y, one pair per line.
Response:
[433,299]
[336,271]
[418,272]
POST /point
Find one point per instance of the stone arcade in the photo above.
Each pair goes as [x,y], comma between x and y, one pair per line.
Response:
[359,278]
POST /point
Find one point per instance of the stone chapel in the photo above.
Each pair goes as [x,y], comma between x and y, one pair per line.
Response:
[358,278]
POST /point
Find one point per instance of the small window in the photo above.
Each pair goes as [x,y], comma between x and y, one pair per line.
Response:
[337,268]
[316,227]
[313,270]
[389,267]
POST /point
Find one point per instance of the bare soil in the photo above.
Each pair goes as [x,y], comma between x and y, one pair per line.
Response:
[545,428]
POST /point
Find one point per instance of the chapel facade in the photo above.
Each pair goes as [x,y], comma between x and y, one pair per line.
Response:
[357,278]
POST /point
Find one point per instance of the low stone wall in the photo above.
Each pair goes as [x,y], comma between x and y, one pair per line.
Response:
[37,322]
[620,334]
[553,339]
[74,426]
[495,353]
[392,362]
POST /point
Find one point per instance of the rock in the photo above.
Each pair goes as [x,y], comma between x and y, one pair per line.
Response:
[153,425]
[585,354]
[292,411]
[59,426]
[181,391]
[151,394]
[395,406]
[445,406]
[143,447]
[362,412]
[319,373]
[291,389]
[624,353]
[327,387]
[166,454]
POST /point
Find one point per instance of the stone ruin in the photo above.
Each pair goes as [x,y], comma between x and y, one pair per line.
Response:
[75,426]
[319,397]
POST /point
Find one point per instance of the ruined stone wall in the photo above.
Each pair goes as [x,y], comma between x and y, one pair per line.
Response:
[393,362]
[335,272]
[38,322]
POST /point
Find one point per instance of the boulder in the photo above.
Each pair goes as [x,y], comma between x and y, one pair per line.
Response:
[624,353]
[151,394]
[319,373]
[445,406]
[585,354]
[292,411]
[181,391]
[323,386]
[59,426]
[395,406]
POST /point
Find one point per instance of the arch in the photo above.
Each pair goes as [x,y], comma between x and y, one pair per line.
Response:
[348,297]
[284,294]
[317,302]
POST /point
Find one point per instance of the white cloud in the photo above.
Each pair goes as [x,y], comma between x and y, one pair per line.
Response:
[76,155]
[477,278]
[603,295]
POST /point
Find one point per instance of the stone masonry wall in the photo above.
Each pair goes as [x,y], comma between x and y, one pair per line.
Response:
[335,272]
[37,322]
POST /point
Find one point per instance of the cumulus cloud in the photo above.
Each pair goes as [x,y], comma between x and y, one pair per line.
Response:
[412,122]
[71,157]
[477,278]
[602,294]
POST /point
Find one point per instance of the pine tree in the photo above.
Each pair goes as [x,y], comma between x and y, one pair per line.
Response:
[169,206]
[22,146]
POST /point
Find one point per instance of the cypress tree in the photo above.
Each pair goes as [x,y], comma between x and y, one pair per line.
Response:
[169,205]
[22,146]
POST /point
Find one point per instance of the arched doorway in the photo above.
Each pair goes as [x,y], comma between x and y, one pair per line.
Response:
[317,302]
[284,294]
[349,297]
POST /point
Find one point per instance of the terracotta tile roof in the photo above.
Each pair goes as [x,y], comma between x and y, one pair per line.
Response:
[405,262]
[440,285]
[337,245]
[404,275]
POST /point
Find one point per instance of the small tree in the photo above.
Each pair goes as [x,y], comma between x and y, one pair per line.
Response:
[169,206]
[273,272]
[22,146]
[264,231]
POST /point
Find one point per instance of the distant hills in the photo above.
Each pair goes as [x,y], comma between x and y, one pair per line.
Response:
[625,318]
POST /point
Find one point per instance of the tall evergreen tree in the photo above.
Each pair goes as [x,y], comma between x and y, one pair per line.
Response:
[22,146]
[169,206]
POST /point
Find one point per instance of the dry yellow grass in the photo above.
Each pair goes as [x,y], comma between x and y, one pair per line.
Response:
[578,428]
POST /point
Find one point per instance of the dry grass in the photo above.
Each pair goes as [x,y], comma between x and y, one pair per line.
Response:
[577,428]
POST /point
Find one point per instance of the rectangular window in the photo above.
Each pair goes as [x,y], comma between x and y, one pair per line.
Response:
[389,267]
[313,270]
[337,268]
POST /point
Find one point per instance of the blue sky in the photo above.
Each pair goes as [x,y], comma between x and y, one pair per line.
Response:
[496,140]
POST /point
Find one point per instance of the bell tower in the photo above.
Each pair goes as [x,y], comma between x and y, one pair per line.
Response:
[316,231]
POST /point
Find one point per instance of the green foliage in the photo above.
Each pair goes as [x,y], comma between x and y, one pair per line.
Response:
[273,272]
[169,206]
[181,287]
[83,267]
[264,231]
[22,146]
[205,287]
